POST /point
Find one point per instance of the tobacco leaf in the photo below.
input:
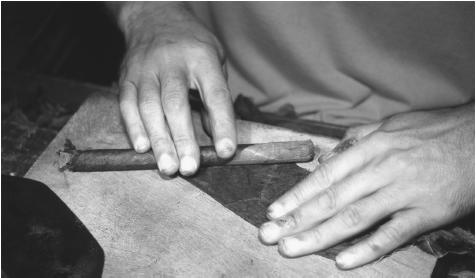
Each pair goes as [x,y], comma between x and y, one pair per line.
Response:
[249,189]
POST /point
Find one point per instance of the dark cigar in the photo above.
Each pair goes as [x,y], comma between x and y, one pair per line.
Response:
[101,160]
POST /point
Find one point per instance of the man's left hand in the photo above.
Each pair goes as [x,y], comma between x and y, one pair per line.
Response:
[410,173]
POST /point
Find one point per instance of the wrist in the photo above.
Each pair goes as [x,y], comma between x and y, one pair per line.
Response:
[134,17]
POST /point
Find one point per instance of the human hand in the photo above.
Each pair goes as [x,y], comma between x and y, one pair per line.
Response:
[168,53]
[415,170]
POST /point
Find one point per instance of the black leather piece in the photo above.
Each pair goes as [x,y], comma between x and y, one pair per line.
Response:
[42,237]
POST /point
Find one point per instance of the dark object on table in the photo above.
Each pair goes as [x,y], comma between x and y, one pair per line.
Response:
[100,160]
[454,266]
[248,190]
[246,110]
[454,248]
[42,237]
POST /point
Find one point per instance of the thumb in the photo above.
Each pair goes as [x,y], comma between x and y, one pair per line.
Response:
[352,136]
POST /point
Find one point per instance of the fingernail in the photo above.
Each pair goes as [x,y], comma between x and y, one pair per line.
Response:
[275,211]
[344,145]
[225,148]
[344,260]
[269,232]
[141,145]
[167,165]
[188,165]
[287,222]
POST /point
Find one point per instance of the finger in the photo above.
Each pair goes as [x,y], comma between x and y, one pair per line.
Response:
[152,116]
[340,148]
[359,132]
[174,95]
[388,237]
[218,103]
[132,120]
[351,220]
[325,204]
[325,175]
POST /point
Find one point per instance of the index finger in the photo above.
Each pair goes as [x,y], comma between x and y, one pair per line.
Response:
[334,170]
[219,105]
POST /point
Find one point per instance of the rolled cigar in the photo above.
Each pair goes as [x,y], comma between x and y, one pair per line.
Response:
[101,160]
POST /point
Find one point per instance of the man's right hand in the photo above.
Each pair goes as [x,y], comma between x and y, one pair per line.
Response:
[168,53]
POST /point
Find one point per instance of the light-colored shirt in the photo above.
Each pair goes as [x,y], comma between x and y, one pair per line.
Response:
[346,63]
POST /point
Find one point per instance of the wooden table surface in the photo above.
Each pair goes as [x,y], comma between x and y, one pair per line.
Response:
[153,227]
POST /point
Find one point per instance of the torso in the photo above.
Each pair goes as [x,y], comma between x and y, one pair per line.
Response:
[346,63]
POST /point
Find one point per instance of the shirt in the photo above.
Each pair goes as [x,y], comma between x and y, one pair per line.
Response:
[346,63]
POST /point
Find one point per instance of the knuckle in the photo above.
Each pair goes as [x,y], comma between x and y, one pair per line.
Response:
[298,195]
[200,49]
[129,64]
[159,141]
[315,235]
[183,141]
[351,216]
[422,222]
[173,83]
[218,97]
[375,245]
[379,139]
[165,51]
[127,86]
[327,199]
[173,101]
[296,219]
[148,86]
[398,160]
[391,234]
[324,175]
[220,92]
[147,106]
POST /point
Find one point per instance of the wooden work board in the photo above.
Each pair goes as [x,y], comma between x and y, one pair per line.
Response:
[154,227]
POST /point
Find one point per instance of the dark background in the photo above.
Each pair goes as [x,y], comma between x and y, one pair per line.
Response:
[73,41]
[77,40]
[50,52]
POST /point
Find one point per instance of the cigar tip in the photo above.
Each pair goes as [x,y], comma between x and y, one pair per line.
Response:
[64,160]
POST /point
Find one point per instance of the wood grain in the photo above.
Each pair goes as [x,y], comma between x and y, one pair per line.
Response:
[153,227]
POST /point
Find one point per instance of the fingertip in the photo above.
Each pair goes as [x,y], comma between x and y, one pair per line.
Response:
[167,165]
[141,144]
[188,166]
[225,148]
[345,261]
[268,233]
[286,247]
[275,211]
